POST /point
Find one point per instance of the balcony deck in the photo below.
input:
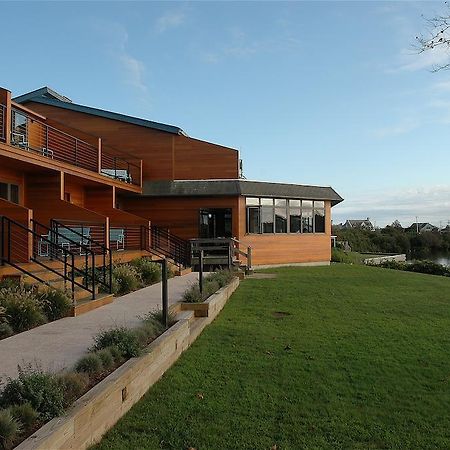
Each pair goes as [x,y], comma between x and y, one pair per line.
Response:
[28,137]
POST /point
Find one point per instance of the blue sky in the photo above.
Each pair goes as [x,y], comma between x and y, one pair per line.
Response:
[324,93]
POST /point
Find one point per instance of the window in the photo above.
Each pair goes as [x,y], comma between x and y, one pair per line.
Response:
[267,215]
[294,216]
[281,216]
[9,192]
[319,217]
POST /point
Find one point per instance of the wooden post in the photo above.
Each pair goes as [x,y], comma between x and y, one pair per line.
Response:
[165,293]
[200,272]
[249,258]
[99,157]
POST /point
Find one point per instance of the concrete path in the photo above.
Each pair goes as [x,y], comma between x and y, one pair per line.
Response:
[60,344]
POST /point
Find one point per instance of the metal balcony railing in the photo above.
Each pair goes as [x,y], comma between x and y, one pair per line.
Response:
[2,122]
[35,136]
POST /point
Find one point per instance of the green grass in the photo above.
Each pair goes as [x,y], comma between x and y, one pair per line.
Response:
[361,361]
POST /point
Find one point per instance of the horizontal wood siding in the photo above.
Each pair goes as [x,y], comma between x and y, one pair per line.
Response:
[9,175]
[287,248]
[165,156]
[199,160]
[180,215]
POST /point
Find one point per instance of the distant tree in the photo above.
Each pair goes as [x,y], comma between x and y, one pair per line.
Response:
[396,224]
[437,37]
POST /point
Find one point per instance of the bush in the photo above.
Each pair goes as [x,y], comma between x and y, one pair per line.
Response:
[126,279]
[149,271]
[222,277]
[55,303]
[22,308]
[9,429]
[10,283]
[74,385]
[5,330]
[90,364]
[106,358]
[192,294]
[156,318]
[42,390]
[25,414]
[115,353]
[427,267]
[125,340]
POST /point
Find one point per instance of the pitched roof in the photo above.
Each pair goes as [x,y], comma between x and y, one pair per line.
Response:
[50,97]
[236,187]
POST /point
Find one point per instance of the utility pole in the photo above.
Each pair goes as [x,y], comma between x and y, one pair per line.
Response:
[417,226]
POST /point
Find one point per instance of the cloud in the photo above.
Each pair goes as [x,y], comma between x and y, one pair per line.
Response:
[170,19]
[403,127]
[411,60]
[431,204]
[116,39]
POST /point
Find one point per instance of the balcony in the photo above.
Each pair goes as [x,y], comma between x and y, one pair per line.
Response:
[33,135]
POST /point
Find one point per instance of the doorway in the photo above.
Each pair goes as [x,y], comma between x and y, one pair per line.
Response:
[215,223]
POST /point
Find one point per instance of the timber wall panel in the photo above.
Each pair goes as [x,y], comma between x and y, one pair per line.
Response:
[8,175]
[181,215]
[165,156]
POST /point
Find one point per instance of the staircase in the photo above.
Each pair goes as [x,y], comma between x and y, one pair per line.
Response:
[43,255]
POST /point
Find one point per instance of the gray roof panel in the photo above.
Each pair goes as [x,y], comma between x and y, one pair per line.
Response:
[237,187]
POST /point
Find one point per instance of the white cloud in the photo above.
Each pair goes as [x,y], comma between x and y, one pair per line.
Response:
[403,127]
[170,19]
[134,69]
[431,204]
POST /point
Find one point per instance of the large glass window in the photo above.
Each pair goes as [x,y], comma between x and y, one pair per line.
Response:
[319,217]
[267,215]
[307,216]
[294,216]
[253,219]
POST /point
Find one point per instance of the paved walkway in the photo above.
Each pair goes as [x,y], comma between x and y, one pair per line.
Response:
[60,344]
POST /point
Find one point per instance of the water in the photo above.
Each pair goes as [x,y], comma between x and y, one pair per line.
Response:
[441,259]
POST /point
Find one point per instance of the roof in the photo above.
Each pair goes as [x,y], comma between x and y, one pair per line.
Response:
[238,187]
[50,97]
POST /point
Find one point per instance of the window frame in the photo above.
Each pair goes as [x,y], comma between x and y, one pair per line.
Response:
[9,188]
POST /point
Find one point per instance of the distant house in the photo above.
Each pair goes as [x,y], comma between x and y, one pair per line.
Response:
[365,224]
[421,227]
[445,229]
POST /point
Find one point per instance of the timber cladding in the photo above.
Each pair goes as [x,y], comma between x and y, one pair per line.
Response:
[181,214]
[165,156]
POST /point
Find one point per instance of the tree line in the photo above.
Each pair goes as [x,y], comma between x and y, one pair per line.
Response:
[395,240]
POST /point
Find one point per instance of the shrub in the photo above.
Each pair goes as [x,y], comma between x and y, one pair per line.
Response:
[22,308]
[25,414]
[42,390]
[90,364]
[74,385]
[209,287]
[192,294]
[10,283]
[156,318]
[427,267]
[125,340]
[9,429]
[55,303]
[5,330]
[106,358]
[149,271]
[115,353]
[126,279]
[222,277]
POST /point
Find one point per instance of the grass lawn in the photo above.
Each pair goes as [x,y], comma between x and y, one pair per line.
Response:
[360,359]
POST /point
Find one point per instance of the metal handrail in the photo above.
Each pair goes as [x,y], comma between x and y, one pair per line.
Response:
[2,122]
[68,258]
[106,266]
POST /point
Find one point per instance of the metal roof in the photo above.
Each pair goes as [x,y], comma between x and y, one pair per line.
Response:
[237,187]
[50,97]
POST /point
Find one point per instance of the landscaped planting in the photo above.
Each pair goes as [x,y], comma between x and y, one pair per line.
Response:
[211,284]
[325,357]
[35,397]
[23,307]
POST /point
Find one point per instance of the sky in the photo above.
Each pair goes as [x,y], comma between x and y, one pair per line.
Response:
[321,93]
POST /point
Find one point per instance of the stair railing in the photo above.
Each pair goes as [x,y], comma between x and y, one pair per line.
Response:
[14,238]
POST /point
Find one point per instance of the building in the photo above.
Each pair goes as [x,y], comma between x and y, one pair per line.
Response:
[72,173]
[421,227]
[364,224]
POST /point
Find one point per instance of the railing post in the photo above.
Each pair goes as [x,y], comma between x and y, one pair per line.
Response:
[76,151]
[200,273]
[99,156]
[249,258]
[165,293]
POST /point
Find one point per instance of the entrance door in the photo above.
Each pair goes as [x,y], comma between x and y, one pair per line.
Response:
[215,223]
